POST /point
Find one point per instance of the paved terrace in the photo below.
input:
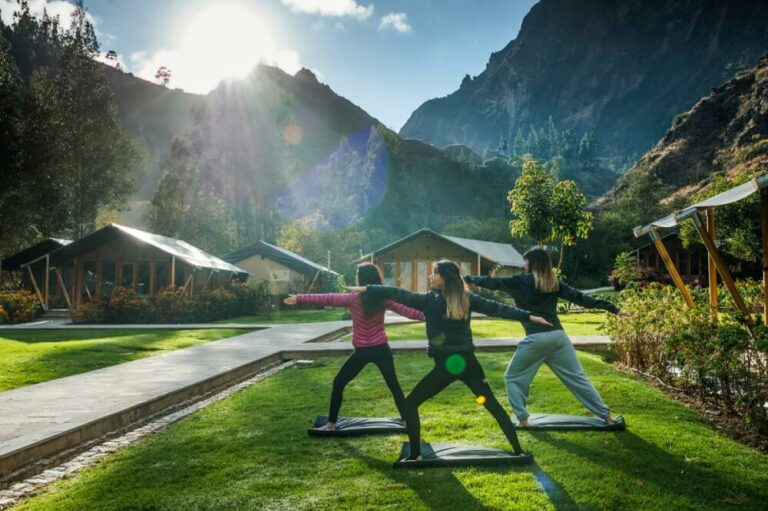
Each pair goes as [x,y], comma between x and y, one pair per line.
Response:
[44,424]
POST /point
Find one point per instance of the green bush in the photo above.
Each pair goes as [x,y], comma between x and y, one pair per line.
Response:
[720,363]
[19,306]
[124,305]
[4,319]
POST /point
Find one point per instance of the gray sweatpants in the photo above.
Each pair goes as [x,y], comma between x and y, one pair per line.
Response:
[556,350]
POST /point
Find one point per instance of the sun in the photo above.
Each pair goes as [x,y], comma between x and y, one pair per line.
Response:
[224,41]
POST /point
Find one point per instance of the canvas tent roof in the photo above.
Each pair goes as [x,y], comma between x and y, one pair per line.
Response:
[177,248]
[728,197]
[283,256]
[13,262]
[499,253]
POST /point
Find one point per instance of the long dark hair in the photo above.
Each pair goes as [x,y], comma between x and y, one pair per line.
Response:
[370,274]
[454,290]
[540,265]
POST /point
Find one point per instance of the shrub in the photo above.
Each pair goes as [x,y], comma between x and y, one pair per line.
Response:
[86,314]
[19,306]
[4,319]
[720,363]
[124,305]
[172,305]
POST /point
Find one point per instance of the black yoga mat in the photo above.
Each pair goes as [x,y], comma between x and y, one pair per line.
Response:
[353,426]
[448,455]
[552,422]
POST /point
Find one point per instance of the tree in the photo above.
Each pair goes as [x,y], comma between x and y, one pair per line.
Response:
[546,210]
[163,75]
[93,157]
[173,195]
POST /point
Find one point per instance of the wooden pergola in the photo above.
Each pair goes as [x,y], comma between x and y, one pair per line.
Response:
[706,228]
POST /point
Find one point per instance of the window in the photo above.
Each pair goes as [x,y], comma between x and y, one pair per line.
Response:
[422,269]
[406,271]
[279,275]
[126,278]
[466,268]
[162,275]
[143,276]
[108,277]
[389,274]
[89,283]
[181,275]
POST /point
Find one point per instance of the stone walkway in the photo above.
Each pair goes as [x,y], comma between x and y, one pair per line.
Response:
[43,424]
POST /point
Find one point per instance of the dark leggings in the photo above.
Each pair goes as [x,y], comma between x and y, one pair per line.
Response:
[438,379]
[380,355]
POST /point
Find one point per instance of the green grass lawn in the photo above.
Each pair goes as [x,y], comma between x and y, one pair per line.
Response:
[581,323]
[290,316]
[34,356]
[251,451]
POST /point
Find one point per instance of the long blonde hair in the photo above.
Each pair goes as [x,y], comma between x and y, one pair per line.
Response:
[454,290]
[540,265]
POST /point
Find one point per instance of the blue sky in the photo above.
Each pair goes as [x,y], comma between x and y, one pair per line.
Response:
[387,56]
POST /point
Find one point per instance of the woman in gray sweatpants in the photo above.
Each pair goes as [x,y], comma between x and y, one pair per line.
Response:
[538,291]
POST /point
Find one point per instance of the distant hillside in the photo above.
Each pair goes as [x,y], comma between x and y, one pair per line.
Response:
[727,131]
[623,68]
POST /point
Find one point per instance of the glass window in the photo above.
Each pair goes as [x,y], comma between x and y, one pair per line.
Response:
[126,279]
[162,274]
[389,274]
[406,271]
[108,276]
[422,269]
[143,279]
[466,268]
[181,275]
[89,283]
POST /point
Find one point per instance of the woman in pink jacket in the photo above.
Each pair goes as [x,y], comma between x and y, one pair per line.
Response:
[368,336]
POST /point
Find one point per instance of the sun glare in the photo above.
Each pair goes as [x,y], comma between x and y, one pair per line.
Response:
[223,41]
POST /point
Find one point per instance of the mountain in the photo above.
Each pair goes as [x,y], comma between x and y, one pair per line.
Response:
[283,144]
[623,68]
[726,131]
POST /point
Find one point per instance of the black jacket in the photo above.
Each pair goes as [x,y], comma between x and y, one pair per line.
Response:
[447,335]
[523,290]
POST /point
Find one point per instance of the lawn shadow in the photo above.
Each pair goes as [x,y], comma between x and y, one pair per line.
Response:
[703,486]
[451,492]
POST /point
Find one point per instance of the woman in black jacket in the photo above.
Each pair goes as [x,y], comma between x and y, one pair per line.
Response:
[447,309]
[538,290]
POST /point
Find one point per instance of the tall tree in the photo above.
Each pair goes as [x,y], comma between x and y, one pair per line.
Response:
[94,156]
[546,210]
[173,195]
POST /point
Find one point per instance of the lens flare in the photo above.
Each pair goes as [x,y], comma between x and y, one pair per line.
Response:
[438,340]
[480,400]
[455,364]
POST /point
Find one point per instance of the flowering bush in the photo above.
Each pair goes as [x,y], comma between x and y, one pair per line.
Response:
[19,306]
[3,316]
[86,314]
[124,305]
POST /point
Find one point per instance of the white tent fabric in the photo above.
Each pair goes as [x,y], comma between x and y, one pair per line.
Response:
[728,197]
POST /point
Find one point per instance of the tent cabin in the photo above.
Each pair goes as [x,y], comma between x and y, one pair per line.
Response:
[280,267]
[116,255]
[406,263]
[30,269]
[691,262]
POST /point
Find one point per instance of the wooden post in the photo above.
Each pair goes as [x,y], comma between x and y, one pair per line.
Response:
[671,267]
[478,265]
[63,287]
[711,268]
[34,284]
[46,281]
[173,272]
[764,225]
[722,268]
[311,285]
[207,281]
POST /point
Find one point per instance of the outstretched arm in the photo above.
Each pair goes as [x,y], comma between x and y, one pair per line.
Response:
[503,283]
[404,310]
[414,300]
[330,299]
[574,295]
[500,310]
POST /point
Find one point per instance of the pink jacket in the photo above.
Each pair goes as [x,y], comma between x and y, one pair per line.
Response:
[366,330]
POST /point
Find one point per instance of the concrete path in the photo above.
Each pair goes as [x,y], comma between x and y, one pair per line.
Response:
[44,423]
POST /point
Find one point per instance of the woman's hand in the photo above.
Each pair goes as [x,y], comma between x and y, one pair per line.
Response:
[539,320]
[290,300]
[356,289]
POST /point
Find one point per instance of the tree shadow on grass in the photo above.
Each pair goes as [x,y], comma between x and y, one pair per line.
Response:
[441,489]
[702,486]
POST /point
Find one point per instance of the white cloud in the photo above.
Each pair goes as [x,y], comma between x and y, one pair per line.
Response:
[331,8]
[395,21]
[60,8]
